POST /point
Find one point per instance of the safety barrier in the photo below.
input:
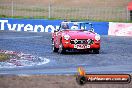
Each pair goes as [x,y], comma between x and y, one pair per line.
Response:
[120,29]
[32,25]
[44,25]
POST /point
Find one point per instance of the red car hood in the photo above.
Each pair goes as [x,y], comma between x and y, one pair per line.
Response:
[80,34]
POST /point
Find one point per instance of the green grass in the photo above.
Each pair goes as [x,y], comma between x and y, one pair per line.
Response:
[4,57]
[32,10]
[66,13]
[94,10]
[25,9]
[24,17]
[4,7]
[60,18]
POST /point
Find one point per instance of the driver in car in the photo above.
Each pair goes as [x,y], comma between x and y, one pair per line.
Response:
[65,26]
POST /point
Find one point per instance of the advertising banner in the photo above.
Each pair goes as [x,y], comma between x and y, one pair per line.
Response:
[120,29]
[43,25]
[101,27]
[31,25]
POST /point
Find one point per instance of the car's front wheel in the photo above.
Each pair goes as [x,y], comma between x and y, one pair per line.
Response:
[61,49]
[96,51]
[53,47]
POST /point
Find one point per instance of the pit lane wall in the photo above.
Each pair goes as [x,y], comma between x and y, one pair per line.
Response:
[43,25]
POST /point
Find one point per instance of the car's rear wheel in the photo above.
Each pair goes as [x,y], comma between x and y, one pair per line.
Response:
[61,49]
[53,47]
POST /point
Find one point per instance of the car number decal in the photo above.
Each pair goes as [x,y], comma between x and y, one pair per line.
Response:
[81,46]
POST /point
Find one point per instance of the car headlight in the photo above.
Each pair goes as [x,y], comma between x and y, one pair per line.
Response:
[97,37]
[66,37]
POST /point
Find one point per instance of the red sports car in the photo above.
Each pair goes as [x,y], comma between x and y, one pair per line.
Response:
[75,36]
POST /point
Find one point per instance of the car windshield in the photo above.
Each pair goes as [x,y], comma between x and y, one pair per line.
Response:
[75,26]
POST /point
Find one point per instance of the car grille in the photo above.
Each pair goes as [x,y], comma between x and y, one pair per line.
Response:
[82,41]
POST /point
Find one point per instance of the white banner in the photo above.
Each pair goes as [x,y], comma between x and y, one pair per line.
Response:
[120,29]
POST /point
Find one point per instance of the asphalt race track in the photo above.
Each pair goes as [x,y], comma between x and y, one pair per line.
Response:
[115,55]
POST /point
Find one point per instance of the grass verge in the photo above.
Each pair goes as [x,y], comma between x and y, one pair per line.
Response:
[60,18]
[4,57]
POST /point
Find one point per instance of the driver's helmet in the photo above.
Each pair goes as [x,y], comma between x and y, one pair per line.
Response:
[65,26]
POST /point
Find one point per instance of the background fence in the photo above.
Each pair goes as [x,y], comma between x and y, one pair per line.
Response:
[105,10]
